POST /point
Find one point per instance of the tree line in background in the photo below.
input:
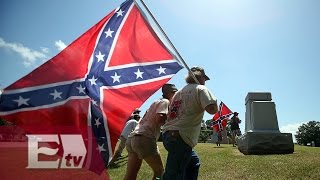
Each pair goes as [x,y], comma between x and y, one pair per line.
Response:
[307,134]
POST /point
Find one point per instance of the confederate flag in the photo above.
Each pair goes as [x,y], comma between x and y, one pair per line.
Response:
[220,118]
[96,82]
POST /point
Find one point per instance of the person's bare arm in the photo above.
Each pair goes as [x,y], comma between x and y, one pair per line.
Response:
[212,108]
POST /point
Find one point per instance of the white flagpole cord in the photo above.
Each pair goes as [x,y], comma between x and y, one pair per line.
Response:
[171,44]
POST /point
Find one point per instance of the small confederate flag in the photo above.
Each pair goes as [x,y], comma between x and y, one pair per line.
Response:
[221,117]
[96,82]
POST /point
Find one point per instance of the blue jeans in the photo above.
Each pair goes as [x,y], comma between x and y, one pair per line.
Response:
[182,161]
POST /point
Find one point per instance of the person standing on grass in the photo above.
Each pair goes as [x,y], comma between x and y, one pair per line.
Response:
[219,138]
[182,128]
[235,129]
[128,128]
[142,142]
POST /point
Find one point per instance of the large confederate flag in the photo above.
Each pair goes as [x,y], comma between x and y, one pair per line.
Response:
[96,82]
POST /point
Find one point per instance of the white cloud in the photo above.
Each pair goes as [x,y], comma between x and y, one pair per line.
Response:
[60,45]
[291,128]
[30,57]
[45,50]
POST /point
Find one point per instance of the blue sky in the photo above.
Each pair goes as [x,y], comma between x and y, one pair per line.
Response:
[244,46]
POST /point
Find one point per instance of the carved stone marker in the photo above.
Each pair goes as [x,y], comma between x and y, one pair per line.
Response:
[214,137]
[262,135]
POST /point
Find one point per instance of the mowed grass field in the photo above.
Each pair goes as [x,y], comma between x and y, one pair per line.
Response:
[226,162]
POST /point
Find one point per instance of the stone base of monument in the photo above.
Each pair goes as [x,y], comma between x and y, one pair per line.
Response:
[257,143]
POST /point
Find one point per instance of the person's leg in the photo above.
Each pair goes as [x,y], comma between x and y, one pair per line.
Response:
[134,162]
[233,137]
[133,166]
[155,163]
[192,170]
[146,148]
[179,155]
[237,134]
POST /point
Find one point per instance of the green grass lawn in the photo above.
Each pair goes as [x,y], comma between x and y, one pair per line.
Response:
[226,162]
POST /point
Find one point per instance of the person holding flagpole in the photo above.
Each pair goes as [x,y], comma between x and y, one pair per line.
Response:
[182,128]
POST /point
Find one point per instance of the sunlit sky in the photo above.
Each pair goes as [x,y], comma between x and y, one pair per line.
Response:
[244,46]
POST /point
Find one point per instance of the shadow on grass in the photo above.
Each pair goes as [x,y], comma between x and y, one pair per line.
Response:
[121,161]
[219,147]
[122,157]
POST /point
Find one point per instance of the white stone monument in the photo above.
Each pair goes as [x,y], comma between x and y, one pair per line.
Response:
[262,135]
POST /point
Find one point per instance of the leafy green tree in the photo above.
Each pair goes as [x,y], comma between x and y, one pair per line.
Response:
[205,132]
[208,122]
[309,132]
[204,135]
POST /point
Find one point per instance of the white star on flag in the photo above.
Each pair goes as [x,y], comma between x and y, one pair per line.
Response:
[116,78]
[161,70]
[120,13]
[94,102]
[108,33]
[97,122]
[81,89]
[22,101]
[93,81]
[100,56]
[56,94]
[101,148]
[139,74]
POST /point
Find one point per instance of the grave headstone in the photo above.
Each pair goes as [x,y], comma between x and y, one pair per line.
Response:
[262,135]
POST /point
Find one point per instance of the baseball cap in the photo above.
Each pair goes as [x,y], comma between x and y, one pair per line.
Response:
[199,71]
[136,111]
[168,88]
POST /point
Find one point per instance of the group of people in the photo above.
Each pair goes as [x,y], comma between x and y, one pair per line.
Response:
[234,127]
[179,113]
